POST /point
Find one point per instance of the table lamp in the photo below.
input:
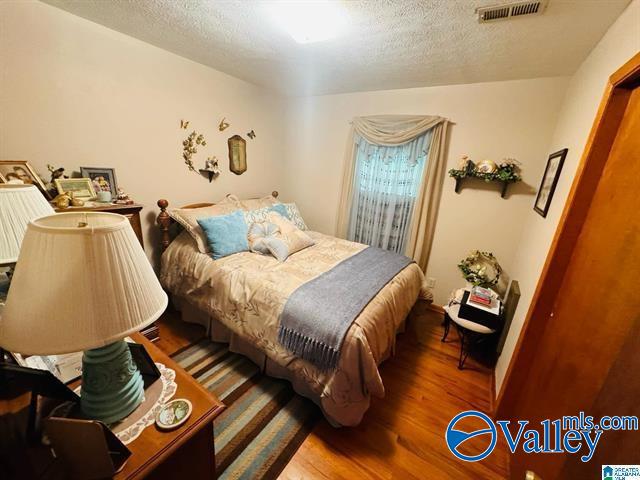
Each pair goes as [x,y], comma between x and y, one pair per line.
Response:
[18,205]
[83,282]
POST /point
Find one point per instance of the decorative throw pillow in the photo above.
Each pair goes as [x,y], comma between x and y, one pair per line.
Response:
[293,237]
[188,218]
[258,233]
[256,203]
[260,215]
[293,214]
[226,234]
[265,238]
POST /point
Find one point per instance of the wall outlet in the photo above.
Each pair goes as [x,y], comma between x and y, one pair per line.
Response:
[431,282]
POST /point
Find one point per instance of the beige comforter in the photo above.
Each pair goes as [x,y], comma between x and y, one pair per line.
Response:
[246,292]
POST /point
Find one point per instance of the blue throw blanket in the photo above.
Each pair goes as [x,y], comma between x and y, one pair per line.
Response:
[318,314]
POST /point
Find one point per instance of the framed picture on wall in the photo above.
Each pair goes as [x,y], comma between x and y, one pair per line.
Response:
[22,171]
[104,179]
[549,181]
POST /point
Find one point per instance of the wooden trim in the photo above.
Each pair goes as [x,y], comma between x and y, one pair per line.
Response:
[492,398]
[594,158]
[165,221]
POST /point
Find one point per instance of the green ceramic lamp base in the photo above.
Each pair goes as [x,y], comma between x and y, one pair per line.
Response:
[112,385]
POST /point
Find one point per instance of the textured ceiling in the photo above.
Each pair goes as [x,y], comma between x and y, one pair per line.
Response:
[388,44]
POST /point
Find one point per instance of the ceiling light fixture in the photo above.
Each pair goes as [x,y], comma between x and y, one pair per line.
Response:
[310,21]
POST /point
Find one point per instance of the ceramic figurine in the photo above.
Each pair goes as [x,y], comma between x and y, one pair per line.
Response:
[122,198]
[62,201]
[76,202]
[56,173]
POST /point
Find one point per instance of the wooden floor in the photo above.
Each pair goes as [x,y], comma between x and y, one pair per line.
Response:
[402,435]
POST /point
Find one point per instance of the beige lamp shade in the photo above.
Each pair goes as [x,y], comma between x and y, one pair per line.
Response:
[19,204]
[82,281]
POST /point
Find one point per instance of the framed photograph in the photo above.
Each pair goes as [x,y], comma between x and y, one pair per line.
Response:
[549,181]
[81,187]
[21,170]
[104,179]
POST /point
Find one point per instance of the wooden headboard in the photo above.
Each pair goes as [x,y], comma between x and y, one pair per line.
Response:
[165,221]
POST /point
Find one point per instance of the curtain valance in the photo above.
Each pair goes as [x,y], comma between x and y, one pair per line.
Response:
[391,130]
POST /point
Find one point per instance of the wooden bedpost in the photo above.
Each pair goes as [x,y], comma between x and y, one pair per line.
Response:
[164,220]
[274,194]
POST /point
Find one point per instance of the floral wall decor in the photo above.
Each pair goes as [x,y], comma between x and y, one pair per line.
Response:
[190,147]
[481,269]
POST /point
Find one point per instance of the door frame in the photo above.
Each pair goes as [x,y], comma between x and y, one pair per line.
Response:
[595,156]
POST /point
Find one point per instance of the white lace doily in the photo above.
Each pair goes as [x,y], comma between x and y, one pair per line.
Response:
[127,432]
[159,393]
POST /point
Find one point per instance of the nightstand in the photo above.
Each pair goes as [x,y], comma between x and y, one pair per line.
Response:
[186,452]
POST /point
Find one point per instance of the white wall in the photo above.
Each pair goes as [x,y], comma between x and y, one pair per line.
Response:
[74,93]
[491,120]
[579,108]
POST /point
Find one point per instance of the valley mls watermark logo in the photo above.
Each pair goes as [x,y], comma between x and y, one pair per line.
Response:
[472,436]
[456,438]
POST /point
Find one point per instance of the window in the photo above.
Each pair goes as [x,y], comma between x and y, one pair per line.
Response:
[387,181]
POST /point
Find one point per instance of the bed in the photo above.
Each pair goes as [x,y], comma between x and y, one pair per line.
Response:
[239,299]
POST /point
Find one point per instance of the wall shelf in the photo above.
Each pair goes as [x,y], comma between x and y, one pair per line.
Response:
[504,185]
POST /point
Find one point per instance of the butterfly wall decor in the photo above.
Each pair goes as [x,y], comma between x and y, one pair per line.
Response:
[223,125]
[184,124]
[251,134]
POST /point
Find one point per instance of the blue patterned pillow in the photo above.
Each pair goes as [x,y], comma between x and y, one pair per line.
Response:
[260,215]
[225,234]
[293,214]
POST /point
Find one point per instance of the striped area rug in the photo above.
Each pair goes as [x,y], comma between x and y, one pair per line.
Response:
[265,421]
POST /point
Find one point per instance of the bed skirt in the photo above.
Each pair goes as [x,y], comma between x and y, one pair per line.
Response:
[218,332]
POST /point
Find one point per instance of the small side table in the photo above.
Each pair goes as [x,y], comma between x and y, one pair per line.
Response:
[470,333]
[186,452]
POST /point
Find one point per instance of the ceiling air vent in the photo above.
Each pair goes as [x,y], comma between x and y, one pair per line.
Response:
[509,10]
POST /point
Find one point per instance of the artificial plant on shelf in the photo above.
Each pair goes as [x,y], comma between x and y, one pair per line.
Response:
[508,171]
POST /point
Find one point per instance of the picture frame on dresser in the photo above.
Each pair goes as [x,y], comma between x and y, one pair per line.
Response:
[22,170]
[103,178]
[80,187]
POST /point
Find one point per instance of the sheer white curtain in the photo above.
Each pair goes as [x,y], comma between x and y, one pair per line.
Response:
[386,183]
[396,131]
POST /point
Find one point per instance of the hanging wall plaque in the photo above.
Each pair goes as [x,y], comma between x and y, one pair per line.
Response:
[237,154]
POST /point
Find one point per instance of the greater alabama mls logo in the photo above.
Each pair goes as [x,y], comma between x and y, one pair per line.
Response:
[457,435]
